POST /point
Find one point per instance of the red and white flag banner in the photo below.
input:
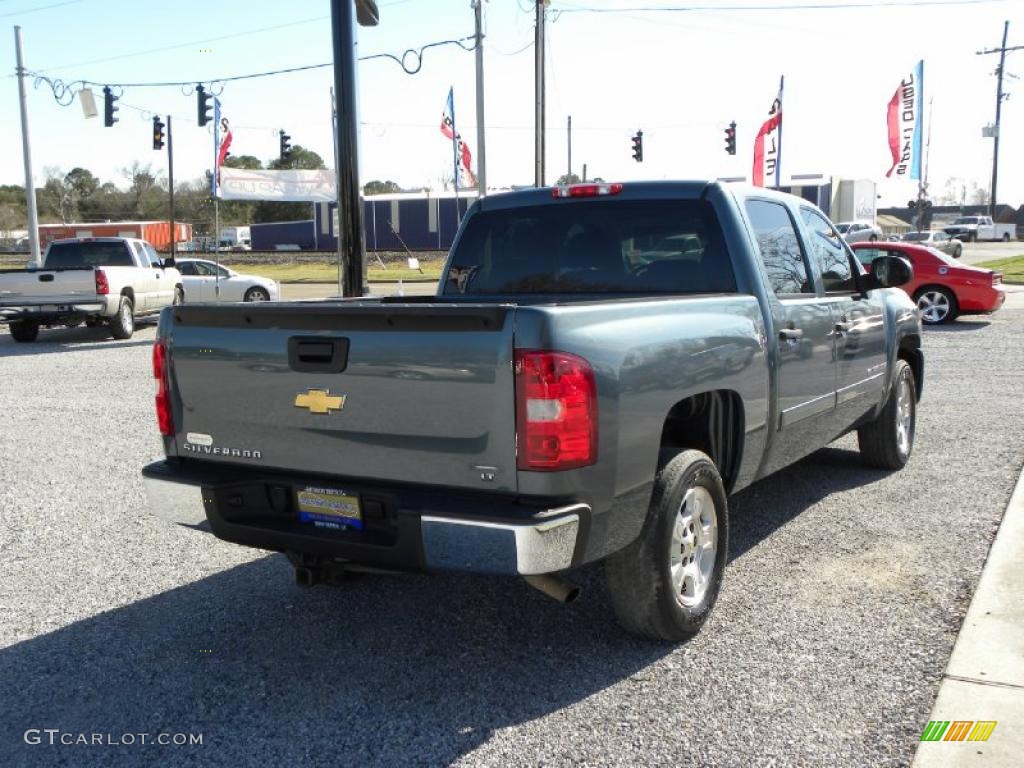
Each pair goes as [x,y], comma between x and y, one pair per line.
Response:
[464,158]
[768,145]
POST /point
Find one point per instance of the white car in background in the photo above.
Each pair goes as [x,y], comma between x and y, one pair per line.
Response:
[938,240]
[859,231]
[201,278]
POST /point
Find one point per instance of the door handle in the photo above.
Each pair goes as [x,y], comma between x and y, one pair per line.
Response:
[791,334]
[842,328]
[157,275]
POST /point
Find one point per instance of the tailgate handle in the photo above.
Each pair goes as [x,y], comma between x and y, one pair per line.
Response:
[316,353]
[46,278]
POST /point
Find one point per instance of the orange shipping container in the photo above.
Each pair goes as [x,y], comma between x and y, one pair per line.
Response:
[156,233]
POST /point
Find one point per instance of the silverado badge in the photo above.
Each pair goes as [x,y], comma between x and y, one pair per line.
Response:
[319,401]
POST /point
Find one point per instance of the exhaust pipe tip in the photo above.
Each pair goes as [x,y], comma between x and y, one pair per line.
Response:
[555,587]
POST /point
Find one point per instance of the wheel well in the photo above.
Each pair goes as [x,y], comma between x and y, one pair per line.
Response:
[711,422]
[127,291]
[910,351]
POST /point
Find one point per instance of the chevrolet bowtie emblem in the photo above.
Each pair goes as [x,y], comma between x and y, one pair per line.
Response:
[319,401]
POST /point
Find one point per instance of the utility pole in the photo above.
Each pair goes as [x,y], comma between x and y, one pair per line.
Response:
[481,149]
[170,178]
[350,205]
[337,183]
[1001,50]
[584,172]
[26,150]
[569,130]
[538,88]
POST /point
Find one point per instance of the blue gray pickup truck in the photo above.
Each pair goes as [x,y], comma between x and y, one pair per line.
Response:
[602,365]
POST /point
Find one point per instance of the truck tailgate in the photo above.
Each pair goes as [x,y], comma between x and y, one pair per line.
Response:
[418,393]
[47,286]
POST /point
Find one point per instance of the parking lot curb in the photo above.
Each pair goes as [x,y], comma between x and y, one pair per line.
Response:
[984,680]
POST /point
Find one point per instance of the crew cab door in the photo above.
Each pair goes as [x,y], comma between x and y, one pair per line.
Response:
[858,322]
[163,287]
[802,321]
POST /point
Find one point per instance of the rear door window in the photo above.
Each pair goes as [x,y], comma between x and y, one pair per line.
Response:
[780,249]
[593,246]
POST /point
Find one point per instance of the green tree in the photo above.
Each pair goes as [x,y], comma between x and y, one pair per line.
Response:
[567,178]
[380,188]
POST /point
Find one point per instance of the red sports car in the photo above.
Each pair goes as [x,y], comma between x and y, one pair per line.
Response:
[942,286]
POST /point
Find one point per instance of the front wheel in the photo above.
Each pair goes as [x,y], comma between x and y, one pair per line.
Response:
[179,296]
[24,331]
[664,584]
[958,251]
[122,325]
[873,239]
[887,441]
[937,305]
[257,294]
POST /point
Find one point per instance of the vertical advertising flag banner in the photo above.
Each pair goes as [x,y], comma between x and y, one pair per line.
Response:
[768,145]
[464,158]
[214,176]
[905,117]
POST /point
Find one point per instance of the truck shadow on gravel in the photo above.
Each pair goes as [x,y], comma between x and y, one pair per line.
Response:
[383,670]
[79,339]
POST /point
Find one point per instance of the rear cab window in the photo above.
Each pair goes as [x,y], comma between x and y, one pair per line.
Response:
[88,254]
[593,246]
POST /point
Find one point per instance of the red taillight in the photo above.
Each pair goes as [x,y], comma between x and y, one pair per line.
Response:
[586,190]
[163,390]
[102,284]
[556,411]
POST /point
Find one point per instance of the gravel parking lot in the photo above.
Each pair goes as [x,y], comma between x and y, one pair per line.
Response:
[842,601]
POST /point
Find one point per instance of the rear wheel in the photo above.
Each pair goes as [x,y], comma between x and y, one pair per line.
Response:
[937,305]
[257,294]
[122,325]
[887,441]
[957,251]
[873,239]
[24,331]
[1006,237]
[664,584]
[179,295]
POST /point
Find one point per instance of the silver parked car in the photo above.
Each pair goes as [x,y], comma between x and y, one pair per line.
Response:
[938,240]
[859,231]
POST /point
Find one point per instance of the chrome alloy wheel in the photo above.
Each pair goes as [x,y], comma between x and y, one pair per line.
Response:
[694,547]
[127,318]
[934,306]
[904,415]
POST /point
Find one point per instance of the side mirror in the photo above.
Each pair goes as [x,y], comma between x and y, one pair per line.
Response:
[168,263]
[889,272]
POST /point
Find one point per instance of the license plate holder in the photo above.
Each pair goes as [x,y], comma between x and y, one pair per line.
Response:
[332,508]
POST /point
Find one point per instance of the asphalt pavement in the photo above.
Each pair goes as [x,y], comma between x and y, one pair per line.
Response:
[843,597]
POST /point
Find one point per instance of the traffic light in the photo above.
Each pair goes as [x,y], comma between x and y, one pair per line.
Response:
[286,148]
[109,107]
[203,105]
[158,133]
[638,146]
[730,139]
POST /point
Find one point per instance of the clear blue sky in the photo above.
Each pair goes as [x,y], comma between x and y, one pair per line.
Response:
[681,77]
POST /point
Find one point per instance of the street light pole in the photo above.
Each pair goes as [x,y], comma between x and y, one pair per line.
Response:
[26,150]
[350,205]
[538,87]
[481,161]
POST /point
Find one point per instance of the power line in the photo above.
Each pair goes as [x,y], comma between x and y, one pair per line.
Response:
[786,7]
[41,8]
[64,92]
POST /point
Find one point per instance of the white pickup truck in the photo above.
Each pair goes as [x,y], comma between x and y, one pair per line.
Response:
[973,228]
[92,280]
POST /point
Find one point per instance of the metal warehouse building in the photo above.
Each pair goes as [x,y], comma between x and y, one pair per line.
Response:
[410,220]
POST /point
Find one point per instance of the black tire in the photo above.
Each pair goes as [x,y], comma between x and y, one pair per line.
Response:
[179,295]
[881,443]
[122,325]
[931,299]
[256,294]
[873,239]
[640,579]
[1006,237]
[24,331]
[972,237]
[957,253]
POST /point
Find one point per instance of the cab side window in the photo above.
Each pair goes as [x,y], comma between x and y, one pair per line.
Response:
[780,248]
[827,250]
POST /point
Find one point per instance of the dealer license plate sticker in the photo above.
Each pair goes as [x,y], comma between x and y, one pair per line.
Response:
[329,508]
